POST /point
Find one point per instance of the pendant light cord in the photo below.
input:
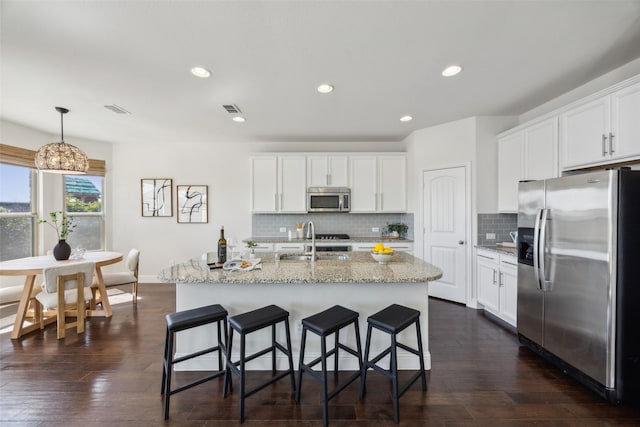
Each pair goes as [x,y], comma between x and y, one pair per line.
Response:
[62,126]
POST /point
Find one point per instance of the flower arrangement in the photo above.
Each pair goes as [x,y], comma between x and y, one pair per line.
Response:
[62,223]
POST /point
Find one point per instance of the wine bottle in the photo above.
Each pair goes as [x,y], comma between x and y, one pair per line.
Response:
[222,247]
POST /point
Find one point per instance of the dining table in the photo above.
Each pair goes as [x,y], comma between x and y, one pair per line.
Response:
[30,267]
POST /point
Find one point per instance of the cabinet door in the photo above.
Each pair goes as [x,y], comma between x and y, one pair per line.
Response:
[509,289]
[582,134]
[264,187]
[317,171]
[487,279]
[338,171]
[289,247]
[328,171]
[392,183]
[625,124]
[292,183]
[509,171]
[363,180]
[540,154]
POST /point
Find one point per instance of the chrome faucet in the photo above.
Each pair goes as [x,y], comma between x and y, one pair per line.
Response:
[311,234]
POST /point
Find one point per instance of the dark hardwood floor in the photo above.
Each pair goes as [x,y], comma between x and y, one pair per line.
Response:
[111,376]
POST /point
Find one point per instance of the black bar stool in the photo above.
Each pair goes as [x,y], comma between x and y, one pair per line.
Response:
[181,321]
[323,324]
[393,320]
[244,324]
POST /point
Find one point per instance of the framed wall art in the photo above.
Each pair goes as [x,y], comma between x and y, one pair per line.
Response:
[192,204]
[157,197]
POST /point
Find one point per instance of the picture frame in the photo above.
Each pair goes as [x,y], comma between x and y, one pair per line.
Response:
[156,197]
[192,204]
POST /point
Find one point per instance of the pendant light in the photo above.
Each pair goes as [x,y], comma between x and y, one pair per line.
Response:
[60,157]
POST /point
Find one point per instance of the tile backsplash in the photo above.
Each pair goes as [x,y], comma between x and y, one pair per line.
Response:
[500,224]
[356,225]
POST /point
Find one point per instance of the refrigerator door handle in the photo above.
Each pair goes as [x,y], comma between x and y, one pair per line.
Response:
[545,284]
[536,249]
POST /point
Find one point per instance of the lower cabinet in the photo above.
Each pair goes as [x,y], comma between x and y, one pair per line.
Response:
[497,279]
[396,246]
[289,247]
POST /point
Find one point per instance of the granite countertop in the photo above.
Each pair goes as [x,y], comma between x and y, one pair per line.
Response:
[359,268]
[499,249]
[335,241]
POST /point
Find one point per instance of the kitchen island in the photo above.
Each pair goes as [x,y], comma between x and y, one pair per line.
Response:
[353,279]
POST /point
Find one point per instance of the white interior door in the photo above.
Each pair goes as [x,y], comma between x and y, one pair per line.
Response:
[445,228]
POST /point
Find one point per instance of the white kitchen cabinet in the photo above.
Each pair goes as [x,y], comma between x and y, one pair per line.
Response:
[487,264]
[392,183]
[278,184]
[289,247]
[331,170]
[264,184]
[528,154]
[363,180]
[292,184]
[263,247]
[378,183]
[601,131]
[540,151]
[497,280]
[509,171]
[508,282]
[399,246]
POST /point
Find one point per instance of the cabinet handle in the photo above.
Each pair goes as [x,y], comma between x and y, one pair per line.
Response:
[487,257]
[328,177]
[275,200]
[611,150]
[500,279]
[494,276]
[281,200]
[604,145]
[509,263]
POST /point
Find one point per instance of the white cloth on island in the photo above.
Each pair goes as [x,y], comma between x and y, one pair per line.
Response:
[242,264]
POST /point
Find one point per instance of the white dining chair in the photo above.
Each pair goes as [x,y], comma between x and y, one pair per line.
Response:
[123,277]
[67,289]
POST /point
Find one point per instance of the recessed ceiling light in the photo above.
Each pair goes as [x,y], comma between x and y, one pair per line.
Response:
[451,70]
[200,72]
[406,118]
[239,119]
[325,88]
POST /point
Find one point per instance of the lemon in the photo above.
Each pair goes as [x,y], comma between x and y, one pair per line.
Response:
[379,247]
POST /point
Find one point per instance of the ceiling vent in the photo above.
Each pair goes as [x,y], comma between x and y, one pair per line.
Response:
[232,108]
[117,109]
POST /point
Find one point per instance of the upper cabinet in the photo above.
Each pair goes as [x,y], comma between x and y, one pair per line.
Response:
[363,180]
[509,171]
[378,183]
[329,171]
[527,154]
[278,184]
[601,131]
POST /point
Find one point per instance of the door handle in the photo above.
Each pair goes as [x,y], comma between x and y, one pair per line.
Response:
[461,242]
[611,150]
[544,283]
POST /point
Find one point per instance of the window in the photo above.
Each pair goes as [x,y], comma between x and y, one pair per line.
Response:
[17,211]
[83,201]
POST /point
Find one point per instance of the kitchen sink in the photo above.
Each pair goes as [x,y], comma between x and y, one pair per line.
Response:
[320,257]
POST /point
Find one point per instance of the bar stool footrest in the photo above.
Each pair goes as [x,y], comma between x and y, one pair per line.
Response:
[197,382]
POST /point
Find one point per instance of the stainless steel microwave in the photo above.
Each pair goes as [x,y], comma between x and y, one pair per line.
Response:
[328,199]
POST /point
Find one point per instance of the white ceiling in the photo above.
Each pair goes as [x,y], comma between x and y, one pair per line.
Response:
[267,57]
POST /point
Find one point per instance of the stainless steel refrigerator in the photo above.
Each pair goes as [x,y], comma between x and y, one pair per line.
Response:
[579,277]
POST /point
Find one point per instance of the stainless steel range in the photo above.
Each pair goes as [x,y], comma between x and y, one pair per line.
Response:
[333,243]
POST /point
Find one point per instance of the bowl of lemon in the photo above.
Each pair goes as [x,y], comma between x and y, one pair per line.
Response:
[382,254]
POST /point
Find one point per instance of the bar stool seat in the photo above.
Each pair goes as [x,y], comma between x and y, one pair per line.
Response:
[181,321]
[323,324]
[393,320]
[244,324]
